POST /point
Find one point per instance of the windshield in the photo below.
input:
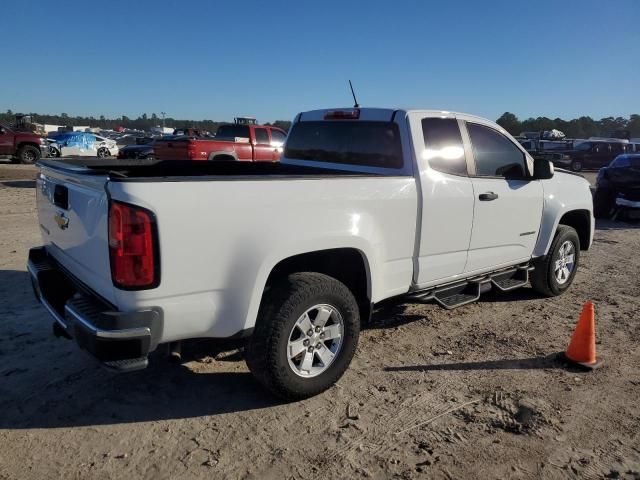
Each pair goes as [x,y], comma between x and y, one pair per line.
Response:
[372,144]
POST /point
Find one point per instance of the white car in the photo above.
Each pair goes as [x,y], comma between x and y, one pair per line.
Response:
[82,144]
[366,204]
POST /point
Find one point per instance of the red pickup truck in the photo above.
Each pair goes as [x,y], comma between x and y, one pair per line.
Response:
[24,147]
[249,143]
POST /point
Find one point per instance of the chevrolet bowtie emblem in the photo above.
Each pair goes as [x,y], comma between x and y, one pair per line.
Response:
[61,220]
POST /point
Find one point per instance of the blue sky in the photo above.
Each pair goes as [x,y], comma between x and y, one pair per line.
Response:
[216,59]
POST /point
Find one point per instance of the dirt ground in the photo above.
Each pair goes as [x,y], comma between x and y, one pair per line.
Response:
[471,393]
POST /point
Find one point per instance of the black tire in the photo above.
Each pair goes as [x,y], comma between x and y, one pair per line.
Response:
[603,202]
[283,303]
[576,165]
[103,152]
[28,154]
[543,278]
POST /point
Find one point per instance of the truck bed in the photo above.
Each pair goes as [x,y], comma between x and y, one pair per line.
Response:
[186,170]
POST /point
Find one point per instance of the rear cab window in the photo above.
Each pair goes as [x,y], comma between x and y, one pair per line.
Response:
[348,142]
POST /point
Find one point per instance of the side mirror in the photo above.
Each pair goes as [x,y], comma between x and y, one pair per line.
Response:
[542,169]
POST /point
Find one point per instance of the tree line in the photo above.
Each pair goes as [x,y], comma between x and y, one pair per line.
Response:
[143,122]
[583,127]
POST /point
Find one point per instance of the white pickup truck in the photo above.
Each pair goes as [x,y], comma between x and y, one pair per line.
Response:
[366,204]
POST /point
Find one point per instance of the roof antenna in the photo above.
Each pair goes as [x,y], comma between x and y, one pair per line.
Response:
[354,96]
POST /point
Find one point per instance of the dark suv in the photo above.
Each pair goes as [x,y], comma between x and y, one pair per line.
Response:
[592,154]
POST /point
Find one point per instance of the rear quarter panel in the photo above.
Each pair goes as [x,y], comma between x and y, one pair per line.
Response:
[219,240]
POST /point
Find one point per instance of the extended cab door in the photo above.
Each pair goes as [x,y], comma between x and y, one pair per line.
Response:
[262,149]
[507,203]
[445,215]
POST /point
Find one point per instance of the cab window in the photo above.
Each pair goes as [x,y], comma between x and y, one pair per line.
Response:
[495,155]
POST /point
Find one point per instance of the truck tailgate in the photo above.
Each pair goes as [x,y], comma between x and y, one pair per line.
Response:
[72,212]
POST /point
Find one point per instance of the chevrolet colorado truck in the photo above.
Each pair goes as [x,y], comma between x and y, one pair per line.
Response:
[366,204]
[23,147]
[235,142]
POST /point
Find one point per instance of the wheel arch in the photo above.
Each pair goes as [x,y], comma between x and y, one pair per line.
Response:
[578,218]
[348,265]
[223,155]
[27,144]
[580,221]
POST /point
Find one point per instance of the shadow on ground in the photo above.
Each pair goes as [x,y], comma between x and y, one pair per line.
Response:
[617,224]
[532,363]
[94,396]
[19,183]
[47,382]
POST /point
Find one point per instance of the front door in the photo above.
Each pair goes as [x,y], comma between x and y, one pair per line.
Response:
[6,141]
[263,151]
[507,205]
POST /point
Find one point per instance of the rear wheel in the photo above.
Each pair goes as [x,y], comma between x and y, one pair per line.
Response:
[28,154]
[555,272]
[576,166]
[305,337]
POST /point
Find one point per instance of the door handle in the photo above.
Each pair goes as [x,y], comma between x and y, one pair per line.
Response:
[488,196]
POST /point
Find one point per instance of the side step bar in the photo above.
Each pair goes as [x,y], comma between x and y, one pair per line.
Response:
[468,291]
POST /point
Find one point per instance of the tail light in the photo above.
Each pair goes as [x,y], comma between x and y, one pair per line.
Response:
[133,247]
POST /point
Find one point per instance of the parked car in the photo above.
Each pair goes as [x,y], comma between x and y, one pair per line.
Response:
[23,147]
[84,144]
[592,154]
[140,151]
[232,143]
[366,204]
[618,188]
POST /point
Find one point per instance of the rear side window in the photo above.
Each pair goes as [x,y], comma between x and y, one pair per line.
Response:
[233,131]
[495,154]
[617,148]
[262,136]
[371,144]
[443,147]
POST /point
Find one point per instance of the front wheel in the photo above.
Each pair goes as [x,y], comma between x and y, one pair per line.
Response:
[28,154]
[576,166]
[103,152]
[555,272]
[305,337]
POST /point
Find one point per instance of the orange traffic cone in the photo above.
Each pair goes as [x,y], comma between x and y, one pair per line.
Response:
[582,348]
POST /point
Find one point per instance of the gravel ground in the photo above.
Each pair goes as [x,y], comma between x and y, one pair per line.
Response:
[471,393]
